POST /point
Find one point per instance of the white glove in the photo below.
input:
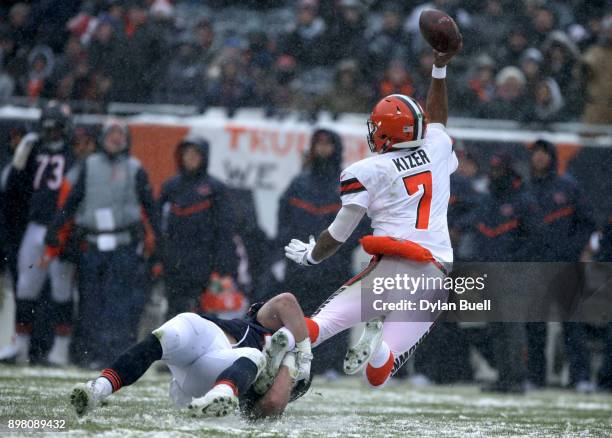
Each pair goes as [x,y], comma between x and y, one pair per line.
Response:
[23,150]
[301,252]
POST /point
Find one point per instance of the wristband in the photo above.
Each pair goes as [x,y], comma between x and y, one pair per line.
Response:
[438,72]
[310,260]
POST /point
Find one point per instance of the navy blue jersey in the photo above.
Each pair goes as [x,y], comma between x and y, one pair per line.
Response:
[566,219]
[506,228]
[42,178]
[197,228]
[247,331]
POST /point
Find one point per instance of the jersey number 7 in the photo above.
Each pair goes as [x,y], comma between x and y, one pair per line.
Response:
[412,184]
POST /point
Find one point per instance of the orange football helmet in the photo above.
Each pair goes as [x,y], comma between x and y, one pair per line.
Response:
[398,122]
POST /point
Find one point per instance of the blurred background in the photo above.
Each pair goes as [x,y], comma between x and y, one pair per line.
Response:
[242,114]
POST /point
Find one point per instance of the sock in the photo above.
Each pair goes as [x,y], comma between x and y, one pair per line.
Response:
[378,376]
[60,351]
[290,337]
[62,318]
[239,375]
[24,316]
[380,356]
[22,342]
[227,387]
[103,387]
[112,377]
[304,346]
[313,329]
[133,362]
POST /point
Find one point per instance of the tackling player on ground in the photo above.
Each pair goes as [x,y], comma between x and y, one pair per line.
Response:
[262,360]
[405,191]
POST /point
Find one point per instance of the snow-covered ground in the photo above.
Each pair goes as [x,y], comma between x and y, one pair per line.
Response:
[341,408]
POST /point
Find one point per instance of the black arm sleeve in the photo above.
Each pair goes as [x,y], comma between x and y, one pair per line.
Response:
[145,196]
[67,212]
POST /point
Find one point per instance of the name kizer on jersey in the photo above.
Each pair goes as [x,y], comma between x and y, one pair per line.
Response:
[410,161]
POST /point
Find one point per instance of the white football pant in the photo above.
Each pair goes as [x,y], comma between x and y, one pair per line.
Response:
[196,350]
[342,310]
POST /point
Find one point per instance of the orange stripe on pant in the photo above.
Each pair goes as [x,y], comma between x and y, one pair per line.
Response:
[313,329]
[378,376]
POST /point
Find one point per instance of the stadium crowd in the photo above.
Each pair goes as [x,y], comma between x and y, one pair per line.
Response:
[201,237]
[551,57]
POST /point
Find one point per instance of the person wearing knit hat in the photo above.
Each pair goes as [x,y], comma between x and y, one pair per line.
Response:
[510,95]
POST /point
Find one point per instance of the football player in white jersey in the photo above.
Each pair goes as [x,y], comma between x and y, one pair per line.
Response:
[405,190]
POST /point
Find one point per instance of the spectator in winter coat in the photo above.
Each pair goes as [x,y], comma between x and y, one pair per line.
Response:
[304,40]
[510,95]
[597,63]
[349,95]
[506,231]
[197,227]
[567,223]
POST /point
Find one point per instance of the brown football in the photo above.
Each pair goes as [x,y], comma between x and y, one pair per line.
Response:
[440,31]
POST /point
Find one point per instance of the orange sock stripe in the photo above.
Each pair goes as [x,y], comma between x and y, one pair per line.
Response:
[110,378]
[108,375]
[378,376]
[313,329]
[63,329]
[113,378]
[229,383]
[23,329]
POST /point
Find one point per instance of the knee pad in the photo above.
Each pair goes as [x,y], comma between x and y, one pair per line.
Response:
[254,355]
[174,334]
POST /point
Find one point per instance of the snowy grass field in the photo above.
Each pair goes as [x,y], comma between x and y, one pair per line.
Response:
[341,408]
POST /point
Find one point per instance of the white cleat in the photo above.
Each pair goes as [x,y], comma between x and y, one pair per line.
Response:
[9,354]
[83,398]
[303,362]
[359,355]
[17,352]
[218,402]
[274,357]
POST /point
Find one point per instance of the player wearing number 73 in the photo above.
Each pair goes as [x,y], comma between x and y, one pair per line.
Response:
[39,165]
[405,190]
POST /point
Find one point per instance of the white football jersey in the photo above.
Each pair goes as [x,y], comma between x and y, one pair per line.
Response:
[406,192]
